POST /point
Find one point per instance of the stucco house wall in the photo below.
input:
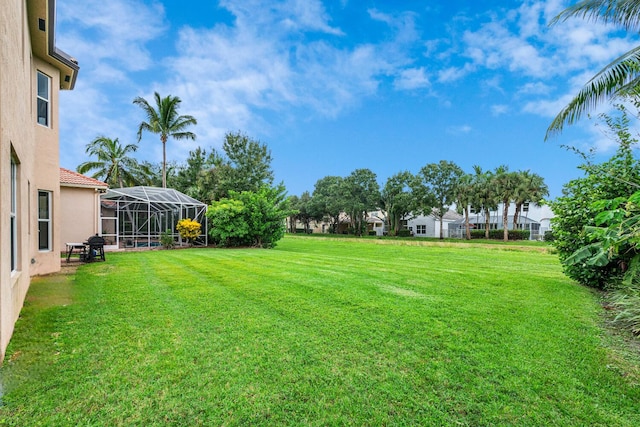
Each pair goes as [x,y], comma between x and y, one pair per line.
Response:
[29,152]
[79,207]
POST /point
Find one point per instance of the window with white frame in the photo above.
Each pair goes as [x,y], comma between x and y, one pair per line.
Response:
[44,220]
[421,229]
[43,99]
[14,215]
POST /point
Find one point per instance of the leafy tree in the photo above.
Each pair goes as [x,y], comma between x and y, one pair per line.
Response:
[439,179]
[151,174]
[465,196]
[249,163]
[113,164]
[191,178]
[163,119]
[398,200]
[620,77]
[249,218]
[362,194]
[302,211]
[575,209]
[246,166]
[328,199]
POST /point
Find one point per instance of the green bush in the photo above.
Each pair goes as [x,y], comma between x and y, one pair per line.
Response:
[404,233]
[166,239]
[372,233]
[575,210]
[249,218]
[548,236]
[499,234]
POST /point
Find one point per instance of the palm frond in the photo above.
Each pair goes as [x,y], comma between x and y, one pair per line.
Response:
[615,79]
[625,13]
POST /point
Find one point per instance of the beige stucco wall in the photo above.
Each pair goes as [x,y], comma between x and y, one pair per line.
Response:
[46,176]
[17,134]
[36,150]
[78,214]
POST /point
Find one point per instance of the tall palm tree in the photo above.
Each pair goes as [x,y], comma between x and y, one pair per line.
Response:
[486,198]
[620,77]
[465,196]
[506,182]
[113,164]
[163,119]
[531,188]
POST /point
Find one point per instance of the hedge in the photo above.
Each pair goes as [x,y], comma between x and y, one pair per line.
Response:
[499,234]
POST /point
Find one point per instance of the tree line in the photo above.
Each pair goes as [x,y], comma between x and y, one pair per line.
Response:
[432,191]
[244,165]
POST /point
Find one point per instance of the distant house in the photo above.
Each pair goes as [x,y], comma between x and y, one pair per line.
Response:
[33,72]
[429,225]
[535,218]
[79,207]
[418,226]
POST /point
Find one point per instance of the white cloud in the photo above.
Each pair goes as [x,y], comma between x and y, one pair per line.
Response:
[281,16]
[534,88]
[412,78]
[452,74]
[499,109]
[459,130]
[116,31]
[522,42]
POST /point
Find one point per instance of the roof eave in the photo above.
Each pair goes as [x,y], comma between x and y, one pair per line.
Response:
[95,187]
[42,15]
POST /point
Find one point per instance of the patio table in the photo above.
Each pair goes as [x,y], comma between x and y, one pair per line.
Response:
[80,247]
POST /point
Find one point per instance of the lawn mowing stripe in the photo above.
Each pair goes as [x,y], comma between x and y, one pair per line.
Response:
[324,333]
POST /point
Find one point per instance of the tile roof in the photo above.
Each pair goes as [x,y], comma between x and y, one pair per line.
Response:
[74,179]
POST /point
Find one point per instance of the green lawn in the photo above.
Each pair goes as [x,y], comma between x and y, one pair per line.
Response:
[317,332]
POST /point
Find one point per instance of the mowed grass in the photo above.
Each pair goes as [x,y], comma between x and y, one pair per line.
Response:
[317,332]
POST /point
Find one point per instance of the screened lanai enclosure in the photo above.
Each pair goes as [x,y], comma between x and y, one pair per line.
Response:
[135,217]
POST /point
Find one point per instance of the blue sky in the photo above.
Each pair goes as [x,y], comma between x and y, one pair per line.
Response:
[332,86]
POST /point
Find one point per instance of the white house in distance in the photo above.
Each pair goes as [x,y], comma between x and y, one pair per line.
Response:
[418,226]
[535,218]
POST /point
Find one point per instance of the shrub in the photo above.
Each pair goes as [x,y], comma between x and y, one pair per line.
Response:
[404,233]
[372,233]
[627,301]
[575,209]
[189,229]
[499,234]
[249,218]
[548,236]
[166,239]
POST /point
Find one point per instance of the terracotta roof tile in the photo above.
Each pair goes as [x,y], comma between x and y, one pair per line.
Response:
[71,178]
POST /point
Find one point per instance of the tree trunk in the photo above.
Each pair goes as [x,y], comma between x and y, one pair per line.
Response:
[164,162]
[487,222]
[505,219]
[466,220]
[441,225]
[516,214]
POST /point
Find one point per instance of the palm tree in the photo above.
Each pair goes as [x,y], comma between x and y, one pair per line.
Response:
[113,164]
[165,121]
[620,77]
[506,183]
[531,188]
[485,195]
[465,196]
